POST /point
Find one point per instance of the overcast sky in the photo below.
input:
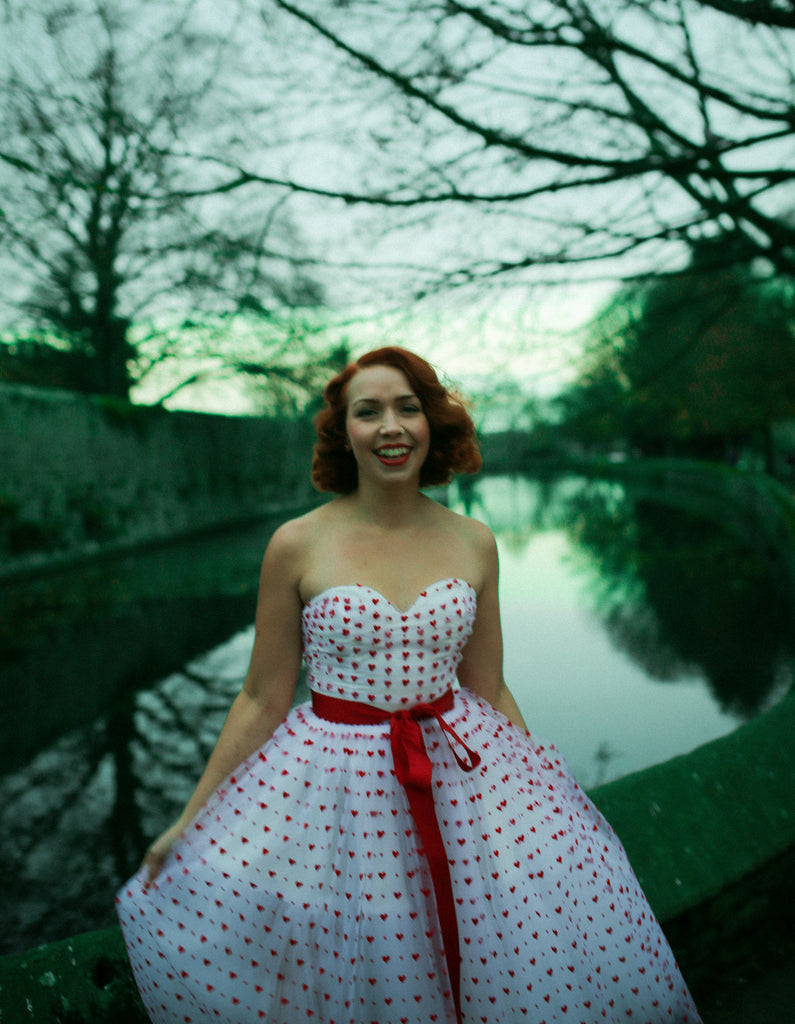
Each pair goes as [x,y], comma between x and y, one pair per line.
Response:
[324,124]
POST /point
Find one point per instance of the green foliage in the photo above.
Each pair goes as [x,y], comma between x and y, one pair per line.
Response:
[92,989]
[21,535]
[9,509]
[44,359]
[701,362]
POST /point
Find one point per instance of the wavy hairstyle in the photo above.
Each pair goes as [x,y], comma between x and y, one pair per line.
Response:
[453,440]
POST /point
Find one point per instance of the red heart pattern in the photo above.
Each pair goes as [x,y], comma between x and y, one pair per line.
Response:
[301,893]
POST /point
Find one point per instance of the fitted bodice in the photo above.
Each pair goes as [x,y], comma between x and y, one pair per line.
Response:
[359,646]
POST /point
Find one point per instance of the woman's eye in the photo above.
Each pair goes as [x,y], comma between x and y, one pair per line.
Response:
[411,408]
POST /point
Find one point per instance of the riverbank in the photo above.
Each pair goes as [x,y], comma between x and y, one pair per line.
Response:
[87,474]
[711,836]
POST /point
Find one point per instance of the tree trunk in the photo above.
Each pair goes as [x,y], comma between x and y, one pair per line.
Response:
[113,351]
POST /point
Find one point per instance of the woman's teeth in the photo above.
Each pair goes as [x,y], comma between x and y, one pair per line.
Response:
[393,456]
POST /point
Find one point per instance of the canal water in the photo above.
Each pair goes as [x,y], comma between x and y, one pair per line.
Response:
[634,630]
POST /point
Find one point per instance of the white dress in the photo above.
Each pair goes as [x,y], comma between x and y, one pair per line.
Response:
[302,891]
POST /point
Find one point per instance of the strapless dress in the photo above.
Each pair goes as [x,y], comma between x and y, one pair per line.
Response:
[302,891]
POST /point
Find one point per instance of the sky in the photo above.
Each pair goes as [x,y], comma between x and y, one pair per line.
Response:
[321,123]
[531,333]
[521,326]
[534,340]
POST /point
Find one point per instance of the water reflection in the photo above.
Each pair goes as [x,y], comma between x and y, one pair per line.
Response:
[75,820]
[77,641]
[59,861]
[609,597]
[679,592]
[589,650]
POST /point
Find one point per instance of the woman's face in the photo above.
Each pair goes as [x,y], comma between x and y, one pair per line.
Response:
[387,429]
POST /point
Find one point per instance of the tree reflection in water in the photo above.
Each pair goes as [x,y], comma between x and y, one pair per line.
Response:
[75,820]
[678,591]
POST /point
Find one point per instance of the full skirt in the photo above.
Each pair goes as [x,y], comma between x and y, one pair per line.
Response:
[301,892]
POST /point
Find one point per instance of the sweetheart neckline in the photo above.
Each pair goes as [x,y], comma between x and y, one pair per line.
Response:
[397,608]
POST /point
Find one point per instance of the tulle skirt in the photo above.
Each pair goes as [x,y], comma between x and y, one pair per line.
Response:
[301,892]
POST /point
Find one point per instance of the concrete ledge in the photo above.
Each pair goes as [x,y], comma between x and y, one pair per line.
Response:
[705,820]
[711,836]
[83,980]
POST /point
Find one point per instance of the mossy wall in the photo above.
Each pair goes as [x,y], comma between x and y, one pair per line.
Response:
[82,472]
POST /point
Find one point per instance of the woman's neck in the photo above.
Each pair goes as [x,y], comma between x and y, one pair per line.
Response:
[392,508]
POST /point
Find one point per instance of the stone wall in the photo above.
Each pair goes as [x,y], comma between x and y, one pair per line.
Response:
[711,836]
[79,473]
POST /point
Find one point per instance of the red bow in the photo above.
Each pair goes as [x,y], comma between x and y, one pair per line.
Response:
[414,769]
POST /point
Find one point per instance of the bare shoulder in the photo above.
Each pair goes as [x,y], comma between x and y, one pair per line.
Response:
[472,531]
[289,542]
[296,532]
[292,544]
[474,544]
[483,543]
[480,535]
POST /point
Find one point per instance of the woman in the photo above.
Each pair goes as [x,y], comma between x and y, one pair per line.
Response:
[402,849]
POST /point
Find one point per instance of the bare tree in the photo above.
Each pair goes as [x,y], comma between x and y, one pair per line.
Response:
[104,255]
[757,12]
[562,138]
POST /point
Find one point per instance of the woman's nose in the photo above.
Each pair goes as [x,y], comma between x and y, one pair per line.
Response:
[390,423]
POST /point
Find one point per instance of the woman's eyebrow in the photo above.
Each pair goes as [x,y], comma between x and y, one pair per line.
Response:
[377,401]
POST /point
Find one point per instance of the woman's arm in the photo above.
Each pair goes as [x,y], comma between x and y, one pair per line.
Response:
[269,687]
[481,665]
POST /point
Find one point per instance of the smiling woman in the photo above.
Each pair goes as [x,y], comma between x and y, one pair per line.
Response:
[453,444]
[385,422]
[400,847]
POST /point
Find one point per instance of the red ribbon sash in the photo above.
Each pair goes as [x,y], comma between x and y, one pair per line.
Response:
[413,769]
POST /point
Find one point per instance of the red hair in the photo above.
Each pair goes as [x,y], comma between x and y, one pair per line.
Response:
[453,446]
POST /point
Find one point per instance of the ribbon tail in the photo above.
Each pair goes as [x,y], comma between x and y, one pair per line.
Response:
[413,768]
[473,755]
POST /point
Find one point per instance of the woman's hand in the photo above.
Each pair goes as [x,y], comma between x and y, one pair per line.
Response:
[156,854]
